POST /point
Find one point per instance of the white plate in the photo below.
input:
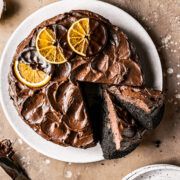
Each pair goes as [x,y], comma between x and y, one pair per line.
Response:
[1,7]
[155,172]
[151,66]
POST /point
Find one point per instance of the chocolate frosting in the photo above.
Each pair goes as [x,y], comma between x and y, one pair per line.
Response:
[97,37]
[123,126]
[146,99]
[57,111]
[30,56]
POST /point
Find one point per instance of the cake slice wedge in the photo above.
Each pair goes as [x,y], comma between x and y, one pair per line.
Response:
[119,133]
[144,104]
[112,125]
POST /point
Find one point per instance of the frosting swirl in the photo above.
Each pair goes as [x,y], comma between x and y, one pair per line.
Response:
[57,110]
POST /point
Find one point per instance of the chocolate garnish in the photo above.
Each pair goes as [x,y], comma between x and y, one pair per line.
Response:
[7,162]
[30,56]
[97,37]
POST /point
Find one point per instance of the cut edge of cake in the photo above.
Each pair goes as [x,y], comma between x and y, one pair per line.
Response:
[145,105]
[119,134]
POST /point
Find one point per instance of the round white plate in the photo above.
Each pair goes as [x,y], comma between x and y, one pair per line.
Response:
[1,7]
[150,63]
[155,172]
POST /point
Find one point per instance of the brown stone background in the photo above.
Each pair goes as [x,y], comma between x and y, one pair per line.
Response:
[161,18]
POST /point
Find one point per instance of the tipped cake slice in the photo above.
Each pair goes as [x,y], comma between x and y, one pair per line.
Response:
[120,134]
[145,105]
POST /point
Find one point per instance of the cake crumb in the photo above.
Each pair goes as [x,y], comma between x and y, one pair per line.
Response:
[22,158]
[170,70]
[175,102]
[177,96]
[47,161]
[68,174]
[178,75]
[20,141]
[166,39]
[157,143]
[170,100]
[69,163]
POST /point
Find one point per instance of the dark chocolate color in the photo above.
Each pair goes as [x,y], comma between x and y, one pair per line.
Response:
[8,163]
[57,111]
[120,135]
[97,37]
[113,126]
[145,105]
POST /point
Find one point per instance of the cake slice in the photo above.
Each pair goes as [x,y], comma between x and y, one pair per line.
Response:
[113,126]
[119,133]
[145,105]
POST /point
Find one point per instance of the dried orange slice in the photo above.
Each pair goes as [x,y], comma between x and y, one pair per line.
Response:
[47,48]
[78,35]
[30,77]
[87,36]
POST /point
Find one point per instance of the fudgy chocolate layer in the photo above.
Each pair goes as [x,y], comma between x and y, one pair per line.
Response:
[120,134]
[145,105]
[57,111]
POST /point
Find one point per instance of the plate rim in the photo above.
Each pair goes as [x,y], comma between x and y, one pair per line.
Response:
[140,171]
[12,37]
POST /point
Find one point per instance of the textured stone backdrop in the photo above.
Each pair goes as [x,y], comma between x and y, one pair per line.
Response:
[161,18]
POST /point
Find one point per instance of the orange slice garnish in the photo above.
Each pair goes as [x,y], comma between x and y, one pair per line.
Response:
[47,48]
[29,76]
[77,36]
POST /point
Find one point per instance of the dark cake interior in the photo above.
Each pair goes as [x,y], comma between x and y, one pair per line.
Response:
[145,105]
[114,123]
[92,95]
[73,108]
[119,135]
[113,126]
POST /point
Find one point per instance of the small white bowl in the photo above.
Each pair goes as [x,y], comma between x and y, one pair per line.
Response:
[155,172]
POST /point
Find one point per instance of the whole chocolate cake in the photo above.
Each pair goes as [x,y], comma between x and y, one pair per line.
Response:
[58,110]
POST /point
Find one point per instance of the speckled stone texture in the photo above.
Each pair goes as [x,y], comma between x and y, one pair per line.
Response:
[162,21]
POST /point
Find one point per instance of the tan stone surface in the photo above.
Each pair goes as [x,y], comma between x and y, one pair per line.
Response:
[161,18]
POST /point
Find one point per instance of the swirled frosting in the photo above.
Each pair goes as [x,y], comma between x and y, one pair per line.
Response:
[57,110]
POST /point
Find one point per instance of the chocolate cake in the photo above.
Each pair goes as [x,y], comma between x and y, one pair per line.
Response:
[145,105]
[120,134]
[63,111]
[118,125]
[56,111]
